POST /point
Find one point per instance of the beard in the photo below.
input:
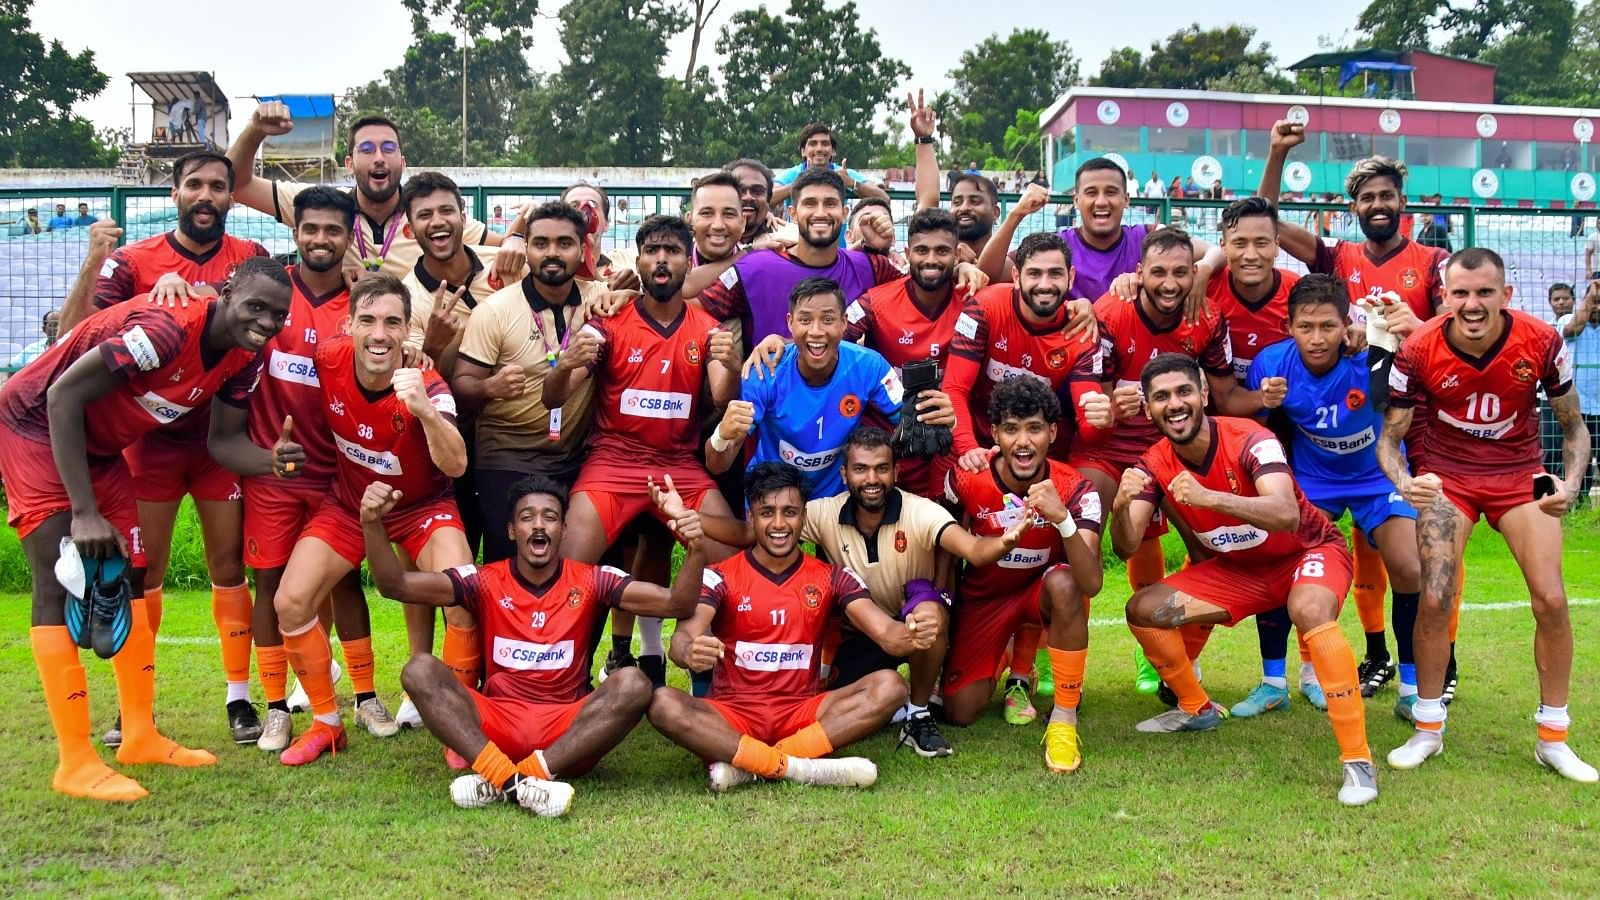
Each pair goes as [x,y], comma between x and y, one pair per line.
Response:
[209,234]
[378,196]
[1380,234]
[827,240]
[553,279]
[330,265]
[938,282]
[661,293]
[1043,304]
[975,230]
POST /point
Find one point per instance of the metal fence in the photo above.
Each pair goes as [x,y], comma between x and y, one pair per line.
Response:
[1541,247]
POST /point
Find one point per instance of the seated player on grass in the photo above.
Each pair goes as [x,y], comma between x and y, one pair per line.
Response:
[759,626]
[539,616]
[1228,481]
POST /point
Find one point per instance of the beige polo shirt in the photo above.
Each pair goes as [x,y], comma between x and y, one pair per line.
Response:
[421,284]
[403,250]
[516,325]
[905,547]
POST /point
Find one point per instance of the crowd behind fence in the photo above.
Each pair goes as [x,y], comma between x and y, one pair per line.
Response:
[1541,247]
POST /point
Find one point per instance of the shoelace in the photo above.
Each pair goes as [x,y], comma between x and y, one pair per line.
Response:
[530,795]
[915,731]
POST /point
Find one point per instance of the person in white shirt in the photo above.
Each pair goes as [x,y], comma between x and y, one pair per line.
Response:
[1154,187]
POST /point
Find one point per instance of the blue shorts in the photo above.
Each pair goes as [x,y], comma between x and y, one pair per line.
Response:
[1368,511]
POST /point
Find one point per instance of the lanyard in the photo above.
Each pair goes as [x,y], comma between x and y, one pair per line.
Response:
[374,263]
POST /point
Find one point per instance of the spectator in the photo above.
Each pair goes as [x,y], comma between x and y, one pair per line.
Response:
[60,221]
[1577,226]
[1175,189]
[951,177]
[1502,160]
[1582,332]
[1561,302]
[84,219]
[31,223]
[1591,251]
[49,325]
[1040,180]
[497,220]
[1435,226]
[1153,188]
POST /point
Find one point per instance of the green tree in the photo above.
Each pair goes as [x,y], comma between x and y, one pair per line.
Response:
[814,63]
[1122,68]
[1400,24]
[1192,58]
[1580,70]
[1527,40]
[37,127]
[999,78]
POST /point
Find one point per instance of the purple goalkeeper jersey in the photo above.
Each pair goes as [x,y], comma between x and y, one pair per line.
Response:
[765,278]
[1095,269]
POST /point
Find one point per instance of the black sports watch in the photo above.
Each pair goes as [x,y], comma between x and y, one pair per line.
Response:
[925,139]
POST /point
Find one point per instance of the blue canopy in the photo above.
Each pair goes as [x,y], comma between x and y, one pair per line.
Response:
[305,106]
[1355,67]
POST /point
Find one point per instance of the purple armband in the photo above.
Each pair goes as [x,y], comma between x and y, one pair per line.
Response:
[921,590]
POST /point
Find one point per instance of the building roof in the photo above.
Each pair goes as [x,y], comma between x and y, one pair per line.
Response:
[167,88]
[1334,60]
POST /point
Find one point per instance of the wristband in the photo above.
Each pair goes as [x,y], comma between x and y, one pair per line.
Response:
[920,591]
[720,443]
[925,139]
[1068,526]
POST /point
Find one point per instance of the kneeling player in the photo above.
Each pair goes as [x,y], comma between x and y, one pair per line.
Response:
[1028,584]
[1227,479]
[538,616]
[759,626]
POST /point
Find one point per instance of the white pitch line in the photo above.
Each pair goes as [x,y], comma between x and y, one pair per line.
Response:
[1093,623]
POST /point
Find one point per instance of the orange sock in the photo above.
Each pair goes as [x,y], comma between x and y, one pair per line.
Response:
[534,767]
[495,767]
[462,654]
[231,610]
[1195,636]
[1147,565]
[1371,583]
[1455,602]
[135,667]
[810,742]
[79,770]
[1024,649]
[1335,663]
[759,759]
[1552,734]
[152,609]
[307,649]
[358,664]
[831,637]
[1164,648]
[1066,667]
[272,664]
[1305,651]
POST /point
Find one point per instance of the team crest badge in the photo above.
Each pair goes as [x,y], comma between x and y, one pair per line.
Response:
[1355,399]
[1409,278]
[1056,358]
[574,598]
[1233,481]
[691,352]
[813,596]
[1523,370]
[850,406]
[1188,346]
[399,423]
[899,542]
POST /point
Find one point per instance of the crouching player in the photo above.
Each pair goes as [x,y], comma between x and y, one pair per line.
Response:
[538,616]
[759,628]
[1228,481]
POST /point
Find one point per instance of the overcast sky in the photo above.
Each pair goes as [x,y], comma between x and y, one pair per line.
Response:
[257,47]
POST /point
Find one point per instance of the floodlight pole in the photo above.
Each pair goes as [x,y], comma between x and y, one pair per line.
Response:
[463,95]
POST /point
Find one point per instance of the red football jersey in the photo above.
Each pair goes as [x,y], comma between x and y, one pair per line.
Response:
[167,369]
[376,437]
[994,342]
[1241,451]
[648,382]
[1411,270]
[1252,326]
[289,386]
[134,268]
[1129,340]
[772,623]
[539,637]
[992,510]
[894,325]
[1482,412]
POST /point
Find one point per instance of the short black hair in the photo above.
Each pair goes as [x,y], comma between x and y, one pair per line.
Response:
[719,178]
[1037,243]
[814,129]
[260,266]
[1166,238]
[814,177]
[744,162]
[767,478]
[659,224]
[984,183]
[1476,258]
[1166,364]
[815,286]
[934,218]
[368,121]
[424,184]
[1098,164]
[867,437]
[866,203]
[605,198]
[1318,290]
[559,209]
[1560,286]
[320,196]
[188,162]
[1023,398]
[536,484]
[378,284]
[1246,208]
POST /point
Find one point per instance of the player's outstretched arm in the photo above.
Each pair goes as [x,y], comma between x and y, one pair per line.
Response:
[229,444]
[84,382]
[917,632]
[922,123]
[446,447]
[993,258]
[390,577]
[1575,448]
[103,237]
[1296,241]
[268,120]
[689,525]
[692,645]
[645,599]
[1130,512]
[1275,508]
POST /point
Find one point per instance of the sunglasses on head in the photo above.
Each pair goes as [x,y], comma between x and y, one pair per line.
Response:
[367,148]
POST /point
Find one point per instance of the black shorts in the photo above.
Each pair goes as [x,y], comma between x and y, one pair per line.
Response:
[857,657]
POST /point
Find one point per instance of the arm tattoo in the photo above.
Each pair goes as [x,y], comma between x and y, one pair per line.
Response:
[1396,422]
[1574,439]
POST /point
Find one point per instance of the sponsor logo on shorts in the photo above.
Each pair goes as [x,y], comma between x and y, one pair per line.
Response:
[999,372]
[1492,431]
[771,657]
[1231,538]
[655,404]
[293,368]
[521,655]
[804,461]
[141,348]
[160,408]
[1023,558]
[1350,443]
[382,462]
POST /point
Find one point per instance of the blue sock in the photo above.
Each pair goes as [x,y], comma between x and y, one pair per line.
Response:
[1272,672]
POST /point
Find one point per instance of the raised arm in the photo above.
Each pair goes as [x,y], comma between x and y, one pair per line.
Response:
[1296,241]
[435,408]
[645,599]
[388,575]
[1274,509]
[993,258]
[103,237]
[580,356]
[229,444]
[270,119]
[1131,510]
[922,125]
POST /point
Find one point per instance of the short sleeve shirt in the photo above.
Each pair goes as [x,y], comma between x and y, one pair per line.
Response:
[904,548]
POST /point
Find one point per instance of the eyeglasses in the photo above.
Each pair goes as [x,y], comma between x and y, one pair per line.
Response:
[367,148]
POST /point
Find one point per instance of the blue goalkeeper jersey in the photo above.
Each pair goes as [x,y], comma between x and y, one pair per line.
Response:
[805,425]
[1335,441]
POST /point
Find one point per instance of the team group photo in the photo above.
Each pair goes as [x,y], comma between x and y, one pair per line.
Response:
[820,474]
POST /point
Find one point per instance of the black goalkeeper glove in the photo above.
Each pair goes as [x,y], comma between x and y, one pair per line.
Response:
[914,438]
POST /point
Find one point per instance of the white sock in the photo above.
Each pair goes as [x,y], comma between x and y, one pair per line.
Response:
[1407,690]
[1308,674]
[1428,711]
[1277,681]
[238,690]
[649,636]
[330,719]
[1063,714]
[1553,717]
